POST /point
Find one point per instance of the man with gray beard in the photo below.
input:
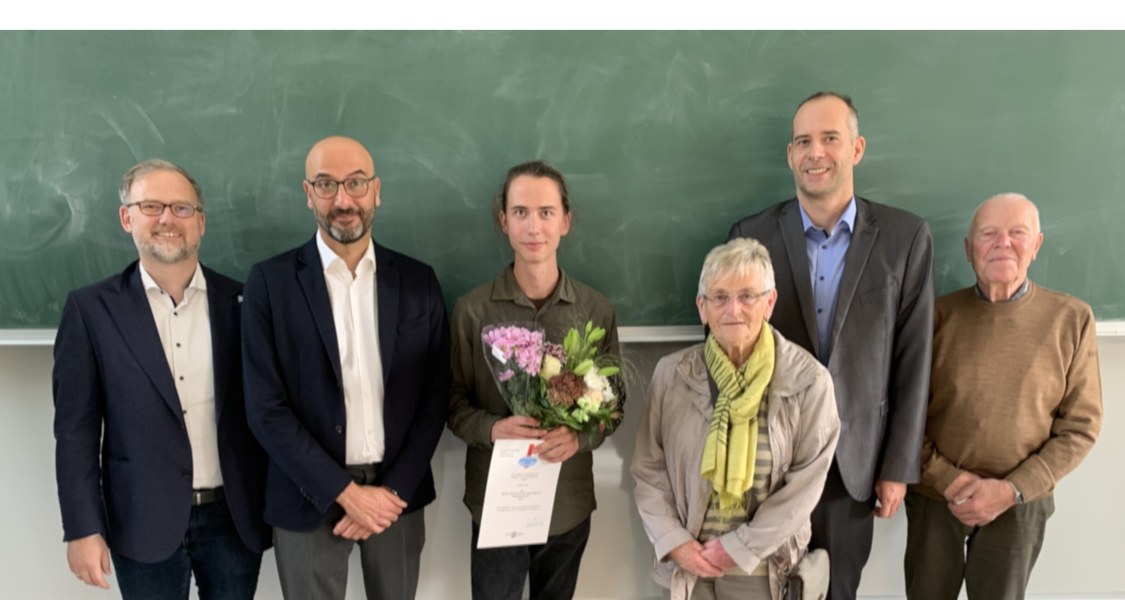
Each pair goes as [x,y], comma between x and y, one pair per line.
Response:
[346,352]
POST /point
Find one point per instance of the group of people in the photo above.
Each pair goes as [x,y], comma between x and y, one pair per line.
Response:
[865,393]
[199,421]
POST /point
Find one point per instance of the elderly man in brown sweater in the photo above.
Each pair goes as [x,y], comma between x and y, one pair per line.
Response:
[1015,404]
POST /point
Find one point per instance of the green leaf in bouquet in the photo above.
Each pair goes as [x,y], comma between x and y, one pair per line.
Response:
[609,371]
[583,367]
[595,336]
[570,342]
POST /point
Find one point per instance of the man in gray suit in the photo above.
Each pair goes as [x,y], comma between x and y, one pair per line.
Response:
[855,288]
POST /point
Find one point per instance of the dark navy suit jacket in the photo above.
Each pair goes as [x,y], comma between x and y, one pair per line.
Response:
[132,483]
[295,394]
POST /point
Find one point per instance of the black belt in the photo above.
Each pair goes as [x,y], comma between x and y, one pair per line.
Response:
[364,474]
[201,497]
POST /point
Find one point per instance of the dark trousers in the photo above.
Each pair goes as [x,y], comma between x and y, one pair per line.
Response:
[843,526]
[224,568]
[993,560]
[313,565]
[500,573]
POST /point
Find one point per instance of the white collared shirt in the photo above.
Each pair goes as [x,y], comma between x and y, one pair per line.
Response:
[185,333]
[355,313]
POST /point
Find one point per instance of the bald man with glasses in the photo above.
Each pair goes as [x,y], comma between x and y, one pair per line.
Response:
[156,467]
[347,381]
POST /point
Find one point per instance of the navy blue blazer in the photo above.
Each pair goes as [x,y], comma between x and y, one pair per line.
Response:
[133,483]
[295,394]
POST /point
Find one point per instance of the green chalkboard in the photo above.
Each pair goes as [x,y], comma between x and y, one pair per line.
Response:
[667,138]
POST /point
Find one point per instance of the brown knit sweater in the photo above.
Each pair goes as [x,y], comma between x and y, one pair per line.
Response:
[1015,391]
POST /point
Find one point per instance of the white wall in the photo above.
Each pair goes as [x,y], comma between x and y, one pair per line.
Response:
[1082,557]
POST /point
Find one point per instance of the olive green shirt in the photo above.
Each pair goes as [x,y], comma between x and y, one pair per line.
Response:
[476,404]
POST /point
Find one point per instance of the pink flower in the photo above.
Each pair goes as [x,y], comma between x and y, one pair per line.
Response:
[519,342]
[513,339]
[506,375]
[529,358]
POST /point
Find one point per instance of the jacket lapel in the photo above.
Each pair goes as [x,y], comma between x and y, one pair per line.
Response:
[128,306]
[855,261]
[310,276]
[793,233]
[223,305]
[387,293]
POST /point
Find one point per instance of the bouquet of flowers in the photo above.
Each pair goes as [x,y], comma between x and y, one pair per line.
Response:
[559,384]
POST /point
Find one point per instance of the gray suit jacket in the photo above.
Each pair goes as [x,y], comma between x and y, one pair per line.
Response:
[879,350]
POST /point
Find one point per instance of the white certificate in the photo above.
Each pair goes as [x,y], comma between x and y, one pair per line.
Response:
[519,497]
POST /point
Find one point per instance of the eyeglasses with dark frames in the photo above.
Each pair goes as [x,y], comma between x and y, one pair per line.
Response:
[152,208]
[353,186]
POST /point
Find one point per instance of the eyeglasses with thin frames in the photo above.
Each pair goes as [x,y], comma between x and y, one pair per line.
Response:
[353,186]
[152,208]
[747,299]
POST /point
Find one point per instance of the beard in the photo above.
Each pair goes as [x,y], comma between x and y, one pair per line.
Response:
[164,253]
[345,235]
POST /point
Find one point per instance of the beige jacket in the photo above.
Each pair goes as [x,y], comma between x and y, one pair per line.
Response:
[671,496]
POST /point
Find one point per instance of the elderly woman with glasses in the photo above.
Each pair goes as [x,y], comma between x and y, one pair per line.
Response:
[733,450]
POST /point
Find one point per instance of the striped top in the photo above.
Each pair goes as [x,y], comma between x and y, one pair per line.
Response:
[714,525]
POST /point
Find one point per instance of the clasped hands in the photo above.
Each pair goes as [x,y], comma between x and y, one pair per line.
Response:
[977,500]
[707,559]
[368,510]
[557,445]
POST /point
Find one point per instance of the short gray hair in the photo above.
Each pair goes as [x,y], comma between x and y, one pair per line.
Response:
[151,166]
[1008,196]
[736,257]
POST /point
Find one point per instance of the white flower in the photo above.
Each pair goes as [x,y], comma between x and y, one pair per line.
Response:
[607,394]
[599,383]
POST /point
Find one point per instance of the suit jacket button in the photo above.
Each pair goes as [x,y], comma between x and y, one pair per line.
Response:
[339,429]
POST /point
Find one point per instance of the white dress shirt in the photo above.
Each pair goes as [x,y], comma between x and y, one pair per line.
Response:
[355,314]
[185,333]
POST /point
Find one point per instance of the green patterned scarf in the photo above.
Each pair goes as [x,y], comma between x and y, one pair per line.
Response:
[732,440]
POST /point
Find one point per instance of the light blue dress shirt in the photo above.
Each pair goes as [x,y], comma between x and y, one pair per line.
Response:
[826,253]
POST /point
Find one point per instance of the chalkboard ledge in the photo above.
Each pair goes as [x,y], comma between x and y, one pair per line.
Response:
[627,335]
[27,337]
[657,334]
[1111,328]
[694,333]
